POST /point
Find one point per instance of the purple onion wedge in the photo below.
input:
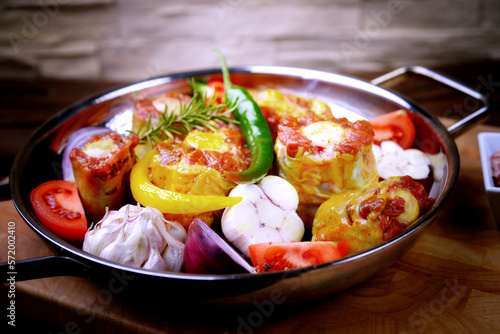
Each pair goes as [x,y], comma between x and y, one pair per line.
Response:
[207,253]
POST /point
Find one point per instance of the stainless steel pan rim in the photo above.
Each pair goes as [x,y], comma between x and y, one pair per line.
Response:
[312,78]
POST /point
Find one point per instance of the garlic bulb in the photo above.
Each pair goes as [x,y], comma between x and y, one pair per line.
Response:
[139,237]
[266,213]
[393,160]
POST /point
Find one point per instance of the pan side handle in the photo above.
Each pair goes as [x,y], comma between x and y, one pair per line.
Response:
[463,124]
[22,270]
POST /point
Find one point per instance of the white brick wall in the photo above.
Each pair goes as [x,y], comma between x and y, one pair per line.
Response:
[132,40]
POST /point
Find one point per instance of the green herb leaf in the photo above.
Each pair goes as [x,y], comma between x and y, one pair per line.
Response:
[196,114]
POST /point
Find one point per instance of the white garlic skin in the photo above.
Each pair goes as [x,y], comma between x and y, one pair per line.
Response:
[139,237]
[267,213]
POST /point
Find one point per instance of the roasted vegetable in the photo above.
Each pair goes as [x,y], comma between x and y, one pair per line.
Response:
[275,105]
[194,164]
[78,139]
[102,172]
[167,201]
[322,156]
[370,216]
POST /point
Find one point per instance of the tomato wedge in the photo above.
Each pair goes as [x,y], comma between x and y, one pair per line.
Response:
[59,208]
[396,126]
[276,256]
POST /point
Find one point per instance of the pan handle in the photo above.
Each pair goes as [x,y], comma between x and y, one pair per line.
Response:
[460,126]
[49,266]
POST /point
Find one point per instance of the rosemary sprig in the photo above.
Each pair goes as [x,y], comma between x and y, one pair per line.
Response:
[196,114]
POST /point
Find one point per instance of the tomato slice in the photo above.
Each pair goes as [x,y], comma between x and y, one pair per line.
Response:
[396,126]
[276,256]
[59,208]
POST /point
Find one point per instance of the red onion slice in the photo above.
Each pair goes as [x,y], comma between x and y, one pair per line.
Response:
[207,253]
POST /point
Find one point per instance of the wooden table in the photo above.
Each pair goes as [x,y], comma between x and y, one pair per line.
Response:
[449,282]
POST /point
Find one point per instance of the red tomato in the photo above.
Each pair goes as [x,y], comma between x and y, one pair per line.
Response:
[396,126]
[276,256]
[218,86]
[59,208]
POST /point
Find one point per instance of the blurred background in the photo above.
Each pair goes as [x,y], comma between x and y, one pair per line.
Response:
[55,52]
[127,40]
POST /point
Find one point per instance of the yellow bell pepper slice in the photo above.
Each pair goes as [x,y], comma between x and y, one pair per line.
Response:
[146,193]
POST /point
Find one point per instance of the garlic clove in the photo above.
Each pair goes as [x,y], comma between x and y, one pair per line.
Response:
[292,227]
[269,213]
[280,192]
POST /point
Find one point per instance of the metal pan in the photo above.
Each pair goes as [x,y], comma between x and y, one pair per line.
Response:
[39,161]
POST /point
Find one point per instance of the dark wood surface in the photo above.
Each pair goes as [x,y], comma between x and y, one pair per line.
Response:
[448,282]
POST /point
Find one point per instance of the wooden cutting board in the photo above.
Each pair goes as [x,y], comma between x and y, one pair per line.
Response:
[449,282]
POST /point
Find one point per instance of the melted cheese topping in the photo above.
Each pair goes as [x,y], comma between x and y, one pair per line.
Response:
[324,134]
[206,141]
[100,148]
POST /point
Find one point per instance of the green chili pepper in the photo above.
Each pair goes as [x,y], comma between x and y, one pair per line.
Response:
[254,127]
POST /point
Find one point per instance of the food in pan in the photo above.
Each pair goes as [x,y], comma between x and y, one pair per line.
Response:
[393,160]
[78,139]
[207,161]
[171,202]
[321,155]
[395,126]
[252,123]
[206,252]
[368,217]
[58,207]
[277,256]
[151,110]
[266,213]
[253,167]
[102,172]
[325,157]
[275,105]
[195,164]
[394,151]
[139,237]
